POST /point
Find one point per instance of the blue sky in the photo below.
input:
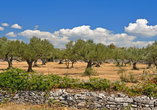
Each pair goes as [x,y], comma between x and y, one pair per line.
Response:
[122,22]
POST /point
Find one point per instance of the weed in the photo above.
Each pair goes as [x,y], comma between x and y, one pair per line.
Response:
[16,79]
[130,63]
[50,102]
[125,78]
[128,107]
[132,78]
[6,100]
[47,94]
[89,72]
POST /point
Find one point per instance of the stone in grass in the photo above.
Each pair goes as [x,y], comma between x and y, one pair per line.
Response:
[16,96]
[119,100]
[154,108]
[145,108]
[64,102]
[82,104]
[121,95]
[111,99]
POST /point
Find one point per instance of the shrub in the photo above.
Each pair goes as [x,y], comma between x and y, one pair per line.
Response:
[89,72]
[17,79]
[130,63]
[117,63]
[95,84]
[125,78]
[132,78]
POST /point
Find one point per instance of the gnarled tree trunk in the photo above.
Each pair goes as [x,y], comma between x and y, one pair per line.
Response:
[156,65]
[43,61]
[30,62]
[72,64]
[97,64]
[149,64]
[9,60]
[67,63]
[134,66]
[117,62]
[122,62]
[127,62]
[89,65]
[60,62]
[35,63]
[51,59]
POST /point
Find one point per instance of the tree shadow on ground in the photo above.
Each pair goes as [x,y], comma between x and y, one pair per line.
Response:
[4,69]
[70,74]
[62,68]
[36,66]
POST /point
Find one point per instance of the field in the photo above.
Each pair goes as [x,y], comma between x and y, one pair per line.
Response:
[108,71]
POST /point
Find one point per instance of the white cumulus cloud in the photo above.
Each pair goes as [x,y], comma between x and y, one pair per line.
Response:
[16,39]
[11,34]
[1,28]
[16,26]
[99,35]
[140,28]
[56,40]
[5,24]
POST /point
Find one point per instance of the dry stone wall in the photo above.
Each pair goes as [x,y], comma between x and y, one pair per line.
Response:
[89,100]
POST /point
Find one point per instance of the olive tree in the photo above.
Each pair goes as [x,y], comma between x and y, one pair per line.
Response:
[136,54]
[70,55]
[8,50]
[60,54]
[116,55]
[46,50]
[151,54]
[124,56]
[29,52]
[89,51]
[34,50]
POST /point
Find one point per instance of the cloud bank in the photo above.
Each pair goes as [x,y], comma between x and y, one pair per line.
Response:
[56,40]
[140,28]
[99,35]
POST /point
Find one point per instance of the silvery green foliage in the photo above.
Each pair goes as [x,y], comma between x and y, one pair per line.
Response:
[36,49]
[9,49]
[88,51]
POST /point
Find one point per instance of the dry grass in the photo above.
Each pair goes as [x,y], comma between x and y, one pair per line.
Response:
[108,71]
[11,106]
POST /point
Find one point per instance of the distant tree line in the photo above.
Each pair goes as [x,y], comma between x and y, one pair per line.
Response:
[87,51]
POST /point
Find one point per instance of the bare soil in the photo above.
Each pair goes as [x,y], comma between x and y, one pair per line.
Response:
[106,70]
[12,106]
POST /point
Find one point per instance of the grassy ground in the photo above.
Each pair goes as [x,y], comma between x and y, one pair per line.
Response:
[11,106]
[108,71]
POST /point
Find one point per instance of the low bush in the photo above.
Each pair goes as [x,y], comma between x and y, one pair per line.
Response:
[126,78]
[96,84]
[89,72]
[17,79]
